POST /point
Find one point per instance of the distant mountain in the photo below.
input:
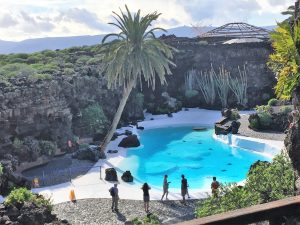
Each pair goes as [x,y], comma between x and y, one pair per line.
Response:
[52,43]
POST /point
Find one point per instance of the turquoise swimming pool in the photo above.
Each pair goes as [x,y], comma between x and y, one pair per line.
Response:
[196,154]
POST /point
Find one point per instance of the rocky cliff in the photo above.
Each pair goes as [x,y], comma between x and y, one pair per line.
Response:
[49,109]
[292,140]
[200,55]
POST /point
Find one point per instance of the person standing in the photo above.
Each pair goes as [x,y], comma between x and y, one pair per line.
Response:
[165,187]
[183,188]
[114,193]
[146,196]
[215,187]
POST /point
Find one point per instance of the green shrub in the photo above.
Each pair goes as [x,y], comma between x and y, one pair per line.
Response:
[82,60]
[272,181]
[22,195]
[47,147]
[69,71]
[254,123]
[235,115]
[191,93]
[16,70]
[48,68]
[94,61]
[231,197]
[147,220]
[93,119]
[39,76]
[265,182]
[1,169]
[285,110]
[272,102]
[17,143]
[19,196]
[138,100]
[264,109]
[265,120]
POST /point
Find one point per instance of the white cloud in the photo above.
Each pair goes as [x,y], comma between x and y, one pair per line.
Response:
[21,19]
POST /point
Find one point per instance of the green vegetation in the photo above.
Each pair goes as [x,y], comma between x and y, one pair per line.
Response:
[46,64]
[272,102]
[1,169]
[285,110]
[235,115]
[147,220]
[191,93]
[254,123]
[263,120]
[47,147]
[285,60]
[94,120]
[17,143]
[265,182]
[21,195]
[136,54]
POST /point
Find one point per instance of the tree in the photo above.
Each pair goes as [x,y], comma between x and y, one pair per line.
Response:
[135,55]
[285,60]
[289,12]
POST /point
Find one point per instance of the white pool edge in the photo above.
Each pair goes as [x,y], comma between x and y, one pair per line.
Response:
[90,186]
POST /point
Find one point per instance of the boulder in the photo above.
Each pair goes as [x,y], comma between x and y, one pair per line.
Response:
[92,153]
[226,113]
[129,142]
[111,174]
[112,151]
[128,132]
[222,129]
[140,128]
[8,178]
[127,177]
[235,125]
[28,214]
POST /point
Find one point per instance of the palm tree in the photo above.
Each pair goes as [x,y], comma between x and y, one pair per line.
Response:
[136,55]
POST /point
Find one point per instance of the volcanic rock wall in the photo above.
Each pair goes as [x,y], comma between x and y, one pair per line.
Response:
[193,54]
[48,109]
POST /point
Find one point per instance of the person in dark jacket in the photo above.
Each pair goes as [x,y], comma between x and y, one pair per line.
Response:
[146,196]
[183,188]
[114,192]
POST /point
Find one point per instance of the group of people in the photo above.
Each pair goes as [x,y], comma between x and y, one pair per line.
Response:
[114,192]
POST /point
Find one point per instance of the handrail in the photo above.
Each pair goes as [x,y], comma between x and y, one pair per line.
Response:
[272,211]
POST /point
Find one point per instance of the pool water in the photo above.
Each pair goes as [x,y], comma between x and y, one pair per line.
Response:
[180,150]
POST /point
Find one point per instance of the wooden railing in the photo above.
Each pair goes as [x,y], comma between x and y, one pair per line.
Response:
[272,211]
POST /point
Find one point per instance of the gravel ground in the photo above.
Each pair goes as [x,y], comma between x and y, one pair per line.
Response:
[98,211]
[244,130]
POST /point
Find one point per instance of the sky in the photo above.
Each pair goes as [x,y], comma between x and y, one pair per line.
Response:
[24,19]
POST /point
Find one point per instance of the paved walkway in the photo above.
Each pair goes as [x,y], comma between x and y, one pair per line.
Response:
[91,186]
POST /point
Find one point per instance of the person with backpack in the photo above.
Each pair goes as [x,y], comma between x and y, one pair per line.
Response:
[114,193]
[183,188]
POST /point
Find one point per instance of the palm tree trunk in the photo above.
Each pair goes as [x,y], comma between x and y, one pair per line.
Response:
[126,92]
